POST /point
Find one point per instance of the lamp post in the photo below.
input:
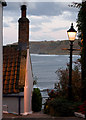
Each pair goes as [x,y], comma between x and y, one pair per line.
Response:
[71,35]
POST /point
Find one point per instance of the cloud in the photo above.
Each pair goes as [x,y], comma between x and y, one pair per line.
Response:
[36,29]
[44,10]
[61,28]
[54,30]
[48,20]
[10,34]
[6,25]
[39,20]
[12,9]
[67,15]
[44,0]
[39,8]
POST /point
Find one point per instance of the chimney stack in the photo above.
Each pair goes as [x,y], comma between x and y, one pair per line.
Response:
[23,11]
[23,38]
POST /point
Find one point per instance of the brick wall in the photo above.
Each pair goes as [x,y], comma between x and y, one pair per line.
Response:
[23,28]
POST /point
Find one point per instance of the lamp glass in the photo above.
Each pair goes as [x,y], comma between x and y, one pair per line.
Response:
[71,36]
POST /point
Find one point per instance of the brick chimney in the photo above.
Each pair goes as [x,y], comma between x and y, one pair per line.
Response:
[23,38]
[23,11]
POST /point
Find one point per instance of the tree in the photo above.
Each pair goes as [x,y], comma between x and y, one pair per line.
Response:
[76,81]
[36,100]
[81,24]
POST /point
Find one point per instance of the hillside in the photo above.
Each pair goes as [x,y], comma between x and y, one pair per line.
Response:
[52,47]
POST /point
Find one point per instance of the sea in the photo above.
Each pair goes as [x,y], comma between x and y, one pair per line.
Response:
[44,68]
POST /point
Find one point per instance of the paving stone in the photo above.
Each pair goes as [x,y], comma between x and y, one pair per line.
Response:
[37,116]
[58,118]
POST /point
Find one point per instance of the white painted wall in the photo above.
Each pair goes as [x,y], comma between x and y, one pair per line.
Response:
[1,60]
[12,102]
[28,86]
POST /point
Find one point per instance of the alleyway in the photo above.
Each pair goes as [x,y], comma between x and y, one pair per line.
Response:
[37,116]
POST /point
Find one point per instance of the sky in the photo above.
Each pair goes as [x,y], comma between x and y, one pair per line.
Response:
[49,20]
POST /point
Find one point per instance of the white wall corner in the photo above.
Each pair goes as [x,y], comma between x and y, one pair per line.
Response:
[28,86]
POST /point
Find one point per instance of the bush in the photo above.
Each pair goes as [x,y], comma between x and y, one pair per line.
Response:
[60,107]
[76,81]
[36,100]
[82,108]
[53,93]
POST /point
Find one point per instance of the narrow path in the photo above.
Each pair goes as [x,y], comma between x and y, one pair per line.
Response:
[37,116]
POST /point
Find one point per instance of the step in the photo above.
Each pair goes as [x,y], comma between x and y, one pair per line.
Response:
[52,118]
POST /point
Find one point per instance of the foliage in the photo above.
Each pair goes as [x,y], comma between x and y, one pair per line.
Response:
[81,23]
[60,107]
[52,93]
[36,100]
[57,104]
[50,47]
[81,20]
[76,81]
[82,108]
[35,80]
[74,4]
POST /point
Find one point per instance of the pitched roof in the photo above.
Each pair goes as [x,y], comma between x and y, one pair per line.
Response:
[11,69]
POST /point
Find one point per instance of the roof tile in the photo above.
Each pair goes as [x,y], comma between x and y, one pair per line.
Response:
[11,69]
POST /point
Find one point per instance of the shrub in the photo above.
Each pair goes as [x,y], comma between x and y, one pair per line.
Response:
[60,107]
[82,108]
[36,100]
[53,93]
[76,81]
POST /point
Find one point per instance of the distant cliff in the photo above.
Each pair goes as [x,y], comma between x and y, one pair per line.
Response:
[52,47]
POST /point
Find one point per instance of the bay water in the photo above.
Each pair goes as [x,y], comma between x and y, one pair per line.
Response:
[45,66]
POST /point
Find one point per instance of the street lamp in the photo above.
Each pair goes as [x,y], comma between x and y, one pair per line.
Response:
[71,35]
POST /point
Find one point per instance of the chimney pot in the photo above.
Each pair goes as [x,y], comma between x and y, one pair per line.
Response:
[23,10]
